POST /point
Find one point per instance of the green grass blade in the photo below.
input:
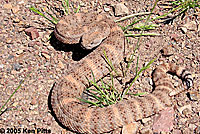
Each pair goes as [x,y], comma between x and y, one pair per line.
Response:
[137,94]
[87,101]
[131,16]
[41,14]
[143,34]
[77,10]
[65,5]
[54,18]
[19,86]
[109,63]
[142,69]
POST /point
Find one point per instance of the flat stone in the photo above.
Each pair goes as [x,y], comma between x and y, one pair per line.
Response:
[194,95]
[19,52]
[16,20]
[145,120]
[191,25]
[7,6]
[121,9]
[165,121]
[15,9]
[33,101]
[130,128]
[61,65]
[146,131]
[180,109]
[32,32]
[167,51]
[16,66]
[46,56]
[1,66]
[184,30]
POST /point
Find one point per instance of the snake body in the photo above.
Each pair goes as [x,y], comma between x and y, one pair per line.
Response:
[77,116]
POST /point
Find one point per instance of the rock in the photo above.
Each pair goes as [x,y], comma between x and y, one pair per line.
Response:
[187,112]
[130,128]
[33,101]
[46,119]
[13,72]
[15,104]
[121,9]
[145,120]
[176,131]
[7,6]
[180,109]
[192,126]
[190,25]
[1,66]
[164,123]
[186,131]
[45,55]
[32,32]
[167,51]
[31,44]
[15,9]
[16,20]
[174,37]
[193,95]
[184,30]
[19,52]
[10,57]
[197,130]
[9,40]
[16,66]
[106,9]
[61,65]
[146,131]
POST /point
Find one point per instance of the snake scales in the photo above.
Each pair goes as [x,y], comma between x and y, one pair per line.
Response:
[91,30]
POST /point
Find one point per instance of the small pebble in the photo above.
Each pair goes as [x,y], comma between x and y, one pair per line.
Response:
[19,52]
[7,6]
[10,57]
[46,56]
[61,65]
[121,9]
[16,66]
[180,109]
[33,101]
[32,32]
[145,120]
[1,66]
[184,30]
[194,95]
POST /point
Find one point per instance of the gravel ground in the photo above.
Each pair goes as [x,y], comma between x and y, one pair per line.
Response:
[21,53]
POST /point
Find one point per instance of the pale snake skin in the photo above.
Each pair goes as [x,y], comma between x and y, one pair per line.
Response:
[80,118]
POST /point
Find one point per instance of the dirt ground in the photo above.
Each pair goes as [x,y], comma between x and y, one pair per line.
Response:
[21,53]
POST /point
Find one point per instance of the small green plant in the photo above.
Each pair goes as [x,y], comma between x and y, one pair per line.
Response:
[107,94]
[103,94]
[52,19]
[180,6]
[19,86]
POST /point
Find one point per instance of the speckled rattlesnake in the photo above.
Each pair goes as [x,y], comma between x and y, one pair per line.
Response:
[90,30]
